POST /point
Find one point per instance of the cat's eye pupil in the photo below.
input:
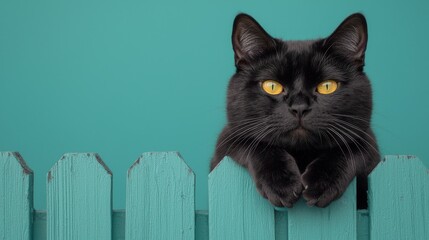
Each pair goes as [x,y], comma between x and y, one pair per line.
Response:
[327,87]
[272,87]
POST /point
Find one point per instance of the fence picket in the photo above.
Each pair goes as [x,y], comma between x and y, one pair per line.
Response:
[16,201]
[337,221]
[160,198]
[236,209]
[160,203]
[79,198]
[399,199]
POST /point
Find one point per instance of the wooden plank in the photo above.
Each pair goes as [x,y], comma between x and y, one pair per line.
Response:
[160,198]
[118,225]
[399,199]
[16,197]
[236,210]
[79,198]
[337,221]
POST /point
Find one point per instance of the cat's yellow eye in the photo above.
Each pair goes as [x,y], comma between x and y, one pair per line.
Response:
[272,87]
[327,87]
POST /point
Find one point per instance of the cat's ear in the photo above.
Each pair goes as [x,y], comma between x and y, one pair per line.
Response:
[350,39]
[249,39]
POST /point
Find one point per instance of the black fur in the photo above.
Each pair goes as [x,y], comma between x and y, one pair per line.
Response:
[300,142]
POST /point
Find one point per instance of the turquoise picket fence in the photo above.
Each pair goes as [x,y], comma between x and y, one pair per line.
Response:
[160,203]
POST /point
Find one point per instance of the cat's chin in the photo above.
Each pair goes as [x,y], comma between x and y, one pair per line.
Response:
[300,130]
[298,137]
[300,133]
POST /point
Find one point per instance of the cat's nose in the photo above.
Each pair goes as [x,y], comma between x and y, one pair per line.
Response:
[299,110]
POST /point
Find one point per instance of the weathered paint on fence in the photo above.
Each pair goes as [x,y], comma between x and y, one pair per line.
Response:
[160,198]
[337,221]
[399,199]
[398,191]
[236,210]
[79,198]
[16,197]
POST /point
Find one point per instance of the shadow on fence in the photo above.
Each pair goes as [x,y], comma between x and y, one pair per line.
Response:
[160,203]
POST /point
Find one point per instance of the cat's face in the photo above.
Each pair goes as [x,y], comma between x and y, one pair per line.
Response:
[300,93]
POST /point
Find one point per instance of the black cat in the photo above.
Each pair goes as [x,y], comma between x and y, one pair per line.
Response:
[299,113]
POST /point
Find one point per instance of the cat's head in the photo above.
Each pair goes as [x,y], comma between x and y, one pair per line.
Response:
[300,93]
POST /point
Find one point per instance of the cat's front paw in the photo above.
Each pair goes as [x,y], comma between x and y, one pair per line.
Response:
[281,191]
[321,189]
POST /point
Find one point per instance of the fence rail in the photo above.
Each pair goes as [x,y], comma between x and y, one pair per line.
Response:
[160,203]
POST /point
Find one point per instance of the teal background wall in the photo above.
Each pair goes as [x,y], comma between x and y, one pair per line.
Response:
[124,77]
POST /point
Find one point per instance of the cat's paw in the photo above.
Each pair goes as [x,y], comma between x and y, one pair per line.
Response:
[320,190]
[281,192]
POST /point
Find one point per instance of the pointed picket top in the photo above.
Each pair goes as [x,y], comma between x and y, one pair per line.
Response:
[337,221]
[160,202]
[399,199]
[15,157]
[236,209]
[16,202]
[92,158]
[79,198]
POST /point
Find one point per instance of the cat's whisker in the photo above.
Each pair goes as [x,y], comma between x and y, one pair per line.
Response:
[354,127]
[248,119]
[338,144]
[242,136]
[360,137]
[351,116]
[272,139]
[237,141]
[234,134]
[262,134]
[346,145]
[352,156]
[327,138]
[340,128]
[249,146]
[365,147]
[257,132]
[357,144]
[249,126]
[269,132]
